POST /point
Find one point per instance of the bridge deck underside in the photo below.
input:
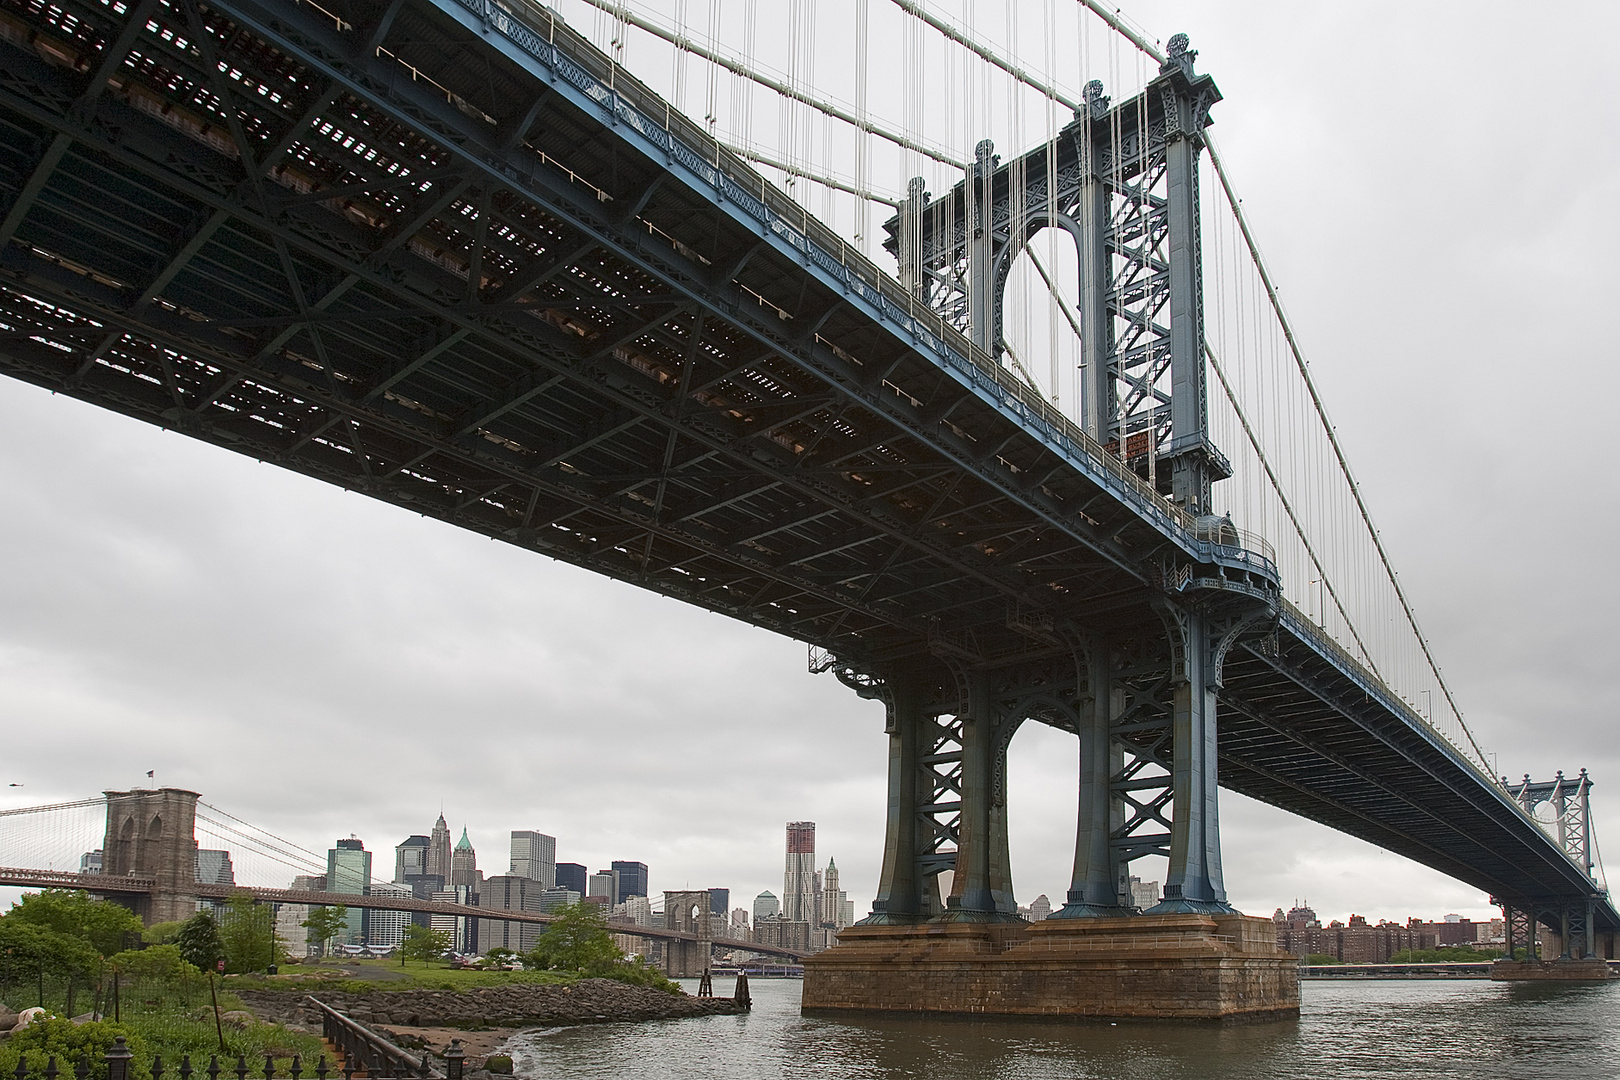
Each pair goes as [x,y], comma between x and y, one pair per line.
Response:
[1297,733]
[395,255]
[597,362]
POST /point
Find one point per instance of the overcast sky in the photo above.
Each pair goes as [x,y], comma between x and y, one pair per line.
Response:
[1435,186]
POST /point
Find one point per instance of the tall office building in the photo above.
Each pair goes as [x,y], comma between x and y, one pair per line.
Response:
[719,901]
[799,897]
[410,858]
[348,870]
[534,856]
[214,867]
[464,864]
[604,883]
[386,929]
[833,899]
[438,852]
[766,907]
[511,892]
[571,876]
[632,879]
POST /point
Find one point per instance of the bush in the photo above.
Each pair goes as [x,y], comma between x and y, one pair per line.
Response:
[1321,958]
[68,1042]
[637,974]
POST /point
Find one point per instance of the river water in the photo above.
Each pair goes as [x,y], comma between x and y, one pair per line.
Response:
[1374,1029]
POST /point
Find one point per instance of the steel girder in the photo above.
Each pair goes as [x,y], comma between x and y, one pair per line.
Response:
[424,250]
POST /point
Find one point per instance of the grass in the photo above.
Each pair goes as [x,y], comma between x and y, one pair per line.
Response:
[366,976]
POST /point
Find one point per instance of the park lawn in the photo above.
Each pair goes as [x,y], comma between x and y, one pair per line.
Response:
[364,976]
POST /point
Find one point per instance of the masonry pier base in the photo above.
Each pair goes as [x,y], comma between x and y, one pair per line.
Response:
[1564,969]
[1203,967]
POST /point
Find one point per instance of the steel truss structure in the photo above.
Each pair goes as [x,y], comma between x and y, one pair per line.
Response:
[1123,183]
[445,253]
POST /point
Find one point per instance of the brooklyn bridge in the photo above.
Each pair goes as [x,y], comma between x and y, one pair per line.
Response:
[449,254]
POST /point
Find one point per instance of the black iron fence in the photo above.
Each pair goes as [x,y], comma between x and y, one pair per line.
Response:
[119,1058]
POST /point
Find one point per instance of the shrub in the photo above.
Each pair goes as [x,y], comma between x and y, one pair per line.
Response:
[68,1042]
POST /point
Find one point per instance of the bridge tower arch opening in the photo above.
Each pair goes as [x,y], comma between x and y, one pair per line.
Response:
[152,834]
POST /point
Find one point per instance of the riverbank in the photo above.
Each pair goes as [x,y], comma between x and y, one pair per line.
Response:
[482,1017]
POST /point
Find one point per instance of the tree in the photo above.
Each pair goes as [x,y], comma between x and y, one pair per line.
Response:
[248,933]
[102,923]
[423,944]
[326,923]
[199,941]
[28,951]
[577,940]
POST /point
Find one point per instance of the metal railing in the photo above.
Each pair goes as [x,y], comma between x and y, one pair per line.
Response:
[365,1049]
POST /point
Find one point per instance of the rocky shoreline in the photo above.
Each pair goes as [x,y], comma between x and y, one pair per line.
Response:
[520,1005]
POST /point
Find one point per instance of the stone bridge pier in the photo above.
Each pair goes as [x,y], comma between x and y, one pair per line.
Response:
[687,911]
[153,834]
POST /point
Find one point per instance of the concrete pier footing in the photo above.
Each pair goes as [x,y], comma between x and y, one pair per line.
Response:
[1205,967]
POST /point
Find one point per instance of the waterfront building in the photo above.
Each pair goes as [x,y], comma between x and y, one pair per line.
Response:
[766,907]
[410,858]
[438,853]
[348,870]
[630,879]
[386,929]
[799,897]
[1038,909]
[534,856]
[463,931]
[782,933]
[571,875]
[511,892]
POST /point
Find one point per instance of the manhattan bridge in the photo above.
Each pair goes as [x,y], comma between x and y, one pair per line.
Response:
[1005,433]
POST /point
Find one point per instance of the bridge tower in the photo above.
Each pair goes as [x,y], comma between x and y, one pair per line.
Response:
[1565,805]
[152,834]
[1139,689]
[687,911]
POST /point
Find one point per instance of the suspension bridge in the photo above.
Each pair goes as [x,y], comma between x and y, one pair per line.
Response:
[948,417]
[147,849]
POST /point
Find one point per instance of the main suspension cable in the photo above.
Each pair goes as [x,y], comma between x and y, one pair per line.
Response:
[742,70]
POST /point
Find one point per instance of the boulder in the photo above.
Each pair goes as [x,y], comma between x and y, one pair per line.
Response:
[8,1017]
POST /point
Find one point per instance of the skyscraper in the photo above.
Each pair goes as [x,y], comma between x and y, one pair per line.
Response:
[534,856]
[604,883]
[632,879]
[410,858]
[719,901]
[766,907]
[438,852]
[832,898]
[799,880]
[348,870]
[464,864]
[571,876]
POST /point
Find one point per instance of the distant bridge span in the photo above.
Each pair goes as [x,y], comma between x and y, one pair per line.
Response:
[112,885]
